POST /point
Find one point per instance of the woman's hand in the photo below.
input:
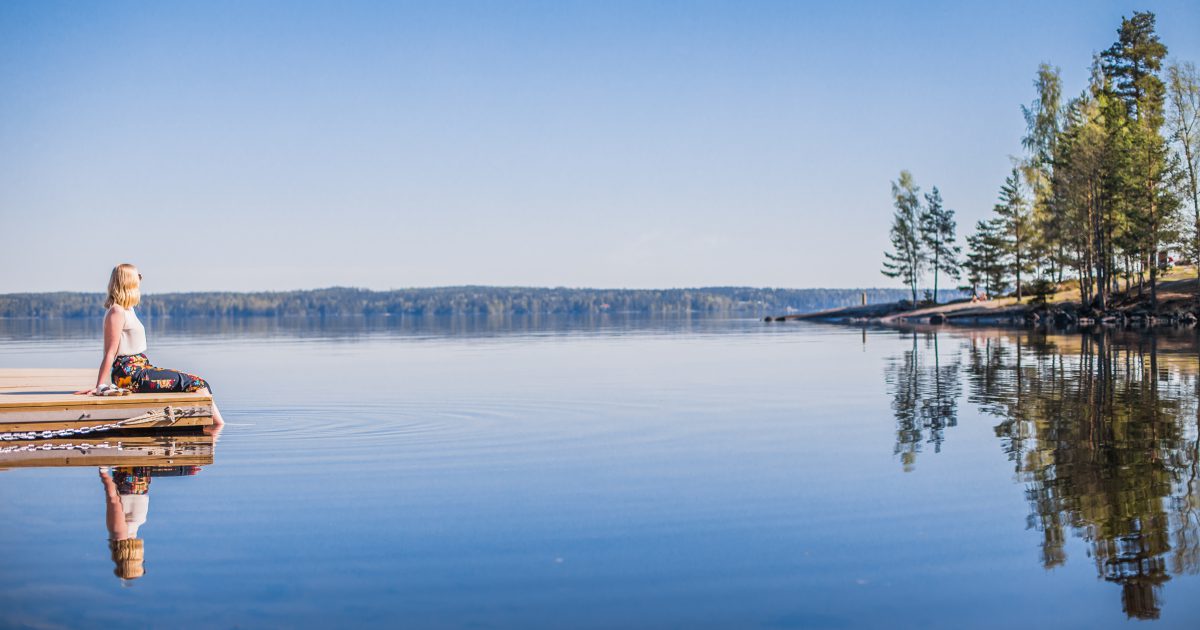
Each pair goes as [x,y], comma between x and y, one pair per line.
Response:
[86,392]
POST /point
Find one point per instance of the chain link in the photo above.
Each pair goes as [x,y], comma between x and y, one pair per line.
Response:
[167,413]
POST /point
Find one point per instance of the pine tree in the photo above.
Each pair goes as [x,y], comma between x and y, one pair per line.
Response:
[937,235]
[1018,226]
[987,260]
[907,258]
[1132,64]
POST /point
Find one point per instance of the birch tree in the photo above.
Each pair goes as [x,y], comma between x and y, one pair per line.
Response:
[906,260]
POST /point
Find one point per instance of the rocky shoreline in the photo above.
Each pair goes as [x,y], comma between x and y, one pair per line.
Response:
[1061,315]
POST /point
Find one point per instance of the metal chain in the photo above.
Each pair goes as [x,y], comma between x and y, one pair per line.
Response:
[82,446]
[167,413]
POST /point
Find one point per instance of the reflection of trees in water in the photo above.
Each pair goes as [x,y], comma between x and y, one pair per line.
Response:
[1099,465]
[925,388]
[1102,430]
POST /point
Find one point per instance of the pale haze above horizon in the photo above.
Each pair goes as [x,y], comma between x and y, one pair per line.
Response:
[286,145]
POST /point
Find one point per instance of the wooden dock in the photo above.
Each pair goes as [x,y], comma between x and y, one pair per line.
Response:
[44,399]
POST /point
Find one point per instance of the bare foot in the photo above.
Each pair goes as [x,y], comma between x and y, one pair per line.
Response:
[216,413]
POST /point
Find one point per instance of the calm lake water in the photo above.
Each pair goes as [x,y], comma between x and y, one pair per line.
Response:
[636,473]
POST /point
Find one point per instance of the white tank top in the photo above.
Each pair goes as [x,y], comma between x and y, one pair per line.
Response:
[136,506]
[133,334]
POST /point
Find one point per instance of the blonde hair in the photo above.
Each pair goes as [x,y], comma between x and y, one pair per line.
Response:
[124,287]
[128,554]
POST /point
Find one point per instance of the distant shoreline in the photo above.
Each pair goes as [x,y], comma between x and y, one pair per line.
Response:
[463,300]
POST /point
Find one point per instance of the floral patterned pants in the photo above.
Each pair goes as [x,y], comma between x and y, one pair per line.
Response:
[134,372]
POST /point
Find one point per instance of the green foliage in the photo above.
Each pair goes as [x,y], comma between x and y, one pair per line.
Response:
[937,235]
[1041,288]
[1017,224]
[1043,116]
[987,261]
[907,258]
[1044,119]
[1106,190]
[1133,62]
[1140,173]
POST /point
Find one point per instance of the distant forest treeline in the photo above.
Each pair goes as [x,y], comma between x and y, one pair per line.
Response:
[473,300]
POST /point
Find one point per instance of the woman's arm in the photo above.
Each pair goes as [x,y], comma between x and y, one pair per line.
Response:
[113,321]
[114,512]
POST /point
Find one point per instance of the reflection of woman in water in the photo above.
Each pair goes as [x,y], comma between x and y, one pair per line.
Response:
[126,503]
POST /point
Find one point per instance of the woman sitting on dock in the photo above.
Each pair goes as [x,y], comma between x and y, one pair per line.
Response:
[125,364]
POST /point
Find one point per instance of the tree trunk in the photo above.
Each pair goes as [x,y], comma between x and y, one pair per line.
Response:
[1141,276]
[936,252]
[1154,239]
[1154,286]
[1098,251]
[1018,276]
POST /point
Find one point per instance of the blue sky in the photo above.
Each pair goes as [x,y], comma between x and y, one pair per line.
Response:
[280,145]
